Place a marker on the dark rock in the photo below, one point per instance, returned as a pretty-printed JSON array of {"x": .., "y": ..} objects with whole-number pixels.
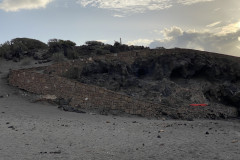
[
  {"x": 70, "y": 109},
  {"x": 207, "y": 133},
  {"x": 15, "y": 59},
  {"x": 62, "y": 101},
  {"x": 189, "y": 119},
  {"x": 56, "y": 152},
  {"x": 12, "y": 127}
]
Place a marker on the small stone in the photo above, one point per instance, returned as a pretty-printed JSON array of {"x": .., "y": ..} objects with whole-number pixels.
[
  {"x": 134, "y": 122},
  {"x": 56, "y": 152},
  {"x": 158, "y": 136},
  {"x": 235, "y": 141},
  {"x": 107, "y": 122},
  {"x": 12, "y": 127},
  {"x": 160, "y": 131},
  {"x": 7, "y": 123},
  {"x": 207, "y": 132}
]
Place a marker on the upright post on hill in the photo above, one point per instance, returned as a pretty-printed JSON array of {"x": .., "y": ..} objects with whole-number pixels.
[{"x": 120, "y": 40}]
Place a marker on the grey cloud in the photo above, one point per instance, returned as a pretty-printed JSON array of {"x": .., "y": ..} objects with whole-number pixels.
[
  {"x": 173, "y": 32},
  {"x": 225, "y": 43}
]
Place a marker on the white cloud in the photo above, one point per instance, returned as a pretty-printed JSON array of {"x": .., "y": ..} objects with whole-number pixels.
[
  {"x": 118, "y": 15},
  {"x": 102, "y": 40},
  {"x": 172, "y": 32},
  {"x": 140, "y": 42},
  {"x": 230, "y": 28},
  {"x": 135, "y": 6},
  {"x": 217, "y": 9},
  {"x": 214, "y": 24},
  {"x": 189, "y": 2},
  {"x": 16, "y": 5},
  {"x": 227, "y": 43}
]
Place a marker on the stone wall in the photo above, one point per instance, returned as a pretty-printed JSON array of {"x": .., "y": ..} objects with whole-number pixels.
[{"x": 82, "y": 95}]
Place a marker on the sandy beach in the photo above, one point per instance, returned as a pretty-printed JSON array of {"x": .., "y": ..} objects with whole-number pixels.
[{"x": 39, "y": 130}]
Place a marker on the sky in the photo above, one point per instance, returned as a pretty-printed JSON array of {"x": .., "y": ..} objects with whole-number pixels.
[{"x": 210, "y": 25}]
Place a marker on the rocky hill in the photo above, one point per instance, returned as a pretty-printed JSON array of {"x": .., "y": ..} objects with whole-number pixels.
[{"x": 174, "y": 78}]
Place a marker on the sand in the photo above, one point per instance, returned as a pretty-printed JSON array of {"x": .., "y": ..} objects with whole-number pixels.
[{"x": 34, "y": 131}]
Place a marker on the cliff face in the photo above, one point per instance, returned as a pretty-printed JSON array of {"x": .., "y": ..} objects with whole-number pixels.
[{"x": 175, "y": 78}]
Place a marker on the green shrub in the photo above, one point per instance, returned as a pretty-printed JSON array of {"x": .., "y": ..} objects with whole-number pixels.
[
  {"x": 19, "y": 47},
  {"x": 94, "y": 43},
  {"x": 58, "y": 45},
  {"x": 58, "y": 57},
  {"x": 71, "y": 54}
]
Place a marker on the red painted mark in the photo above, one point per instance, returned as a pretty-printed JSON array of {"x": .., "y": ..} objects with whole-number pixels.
[{"x": 202, "y": 105}]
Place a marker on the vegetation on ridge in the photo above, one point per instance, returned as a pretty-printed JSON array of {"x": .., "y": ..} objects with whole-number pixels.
[{"x": 18, "y": 48}]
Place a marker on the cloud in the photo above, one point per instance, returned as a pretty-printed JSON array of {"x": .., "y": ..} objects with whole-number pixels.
[
  {"x": 227, "y": 43},
  {"x": 136, "y": 6},
  {"x": 118, "y": 15},
  {"x": 172, "y": 32},
  {"x": 16, "y": 5},
  {"x": 140, "y": 42},
  {"x": 102, "y": 40},
  {"x": 190, "y": 2},
  {"x": 213, "y": 24},
  {"x": 217, "y": 9},
  {"x": 230, "y": 28}
]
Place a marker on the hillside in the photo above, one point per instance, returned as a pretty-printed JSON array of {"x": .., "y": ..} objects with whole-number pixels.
[
  {"x": 170, "y": 78},
  {"x": 174, "y": 78}
]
